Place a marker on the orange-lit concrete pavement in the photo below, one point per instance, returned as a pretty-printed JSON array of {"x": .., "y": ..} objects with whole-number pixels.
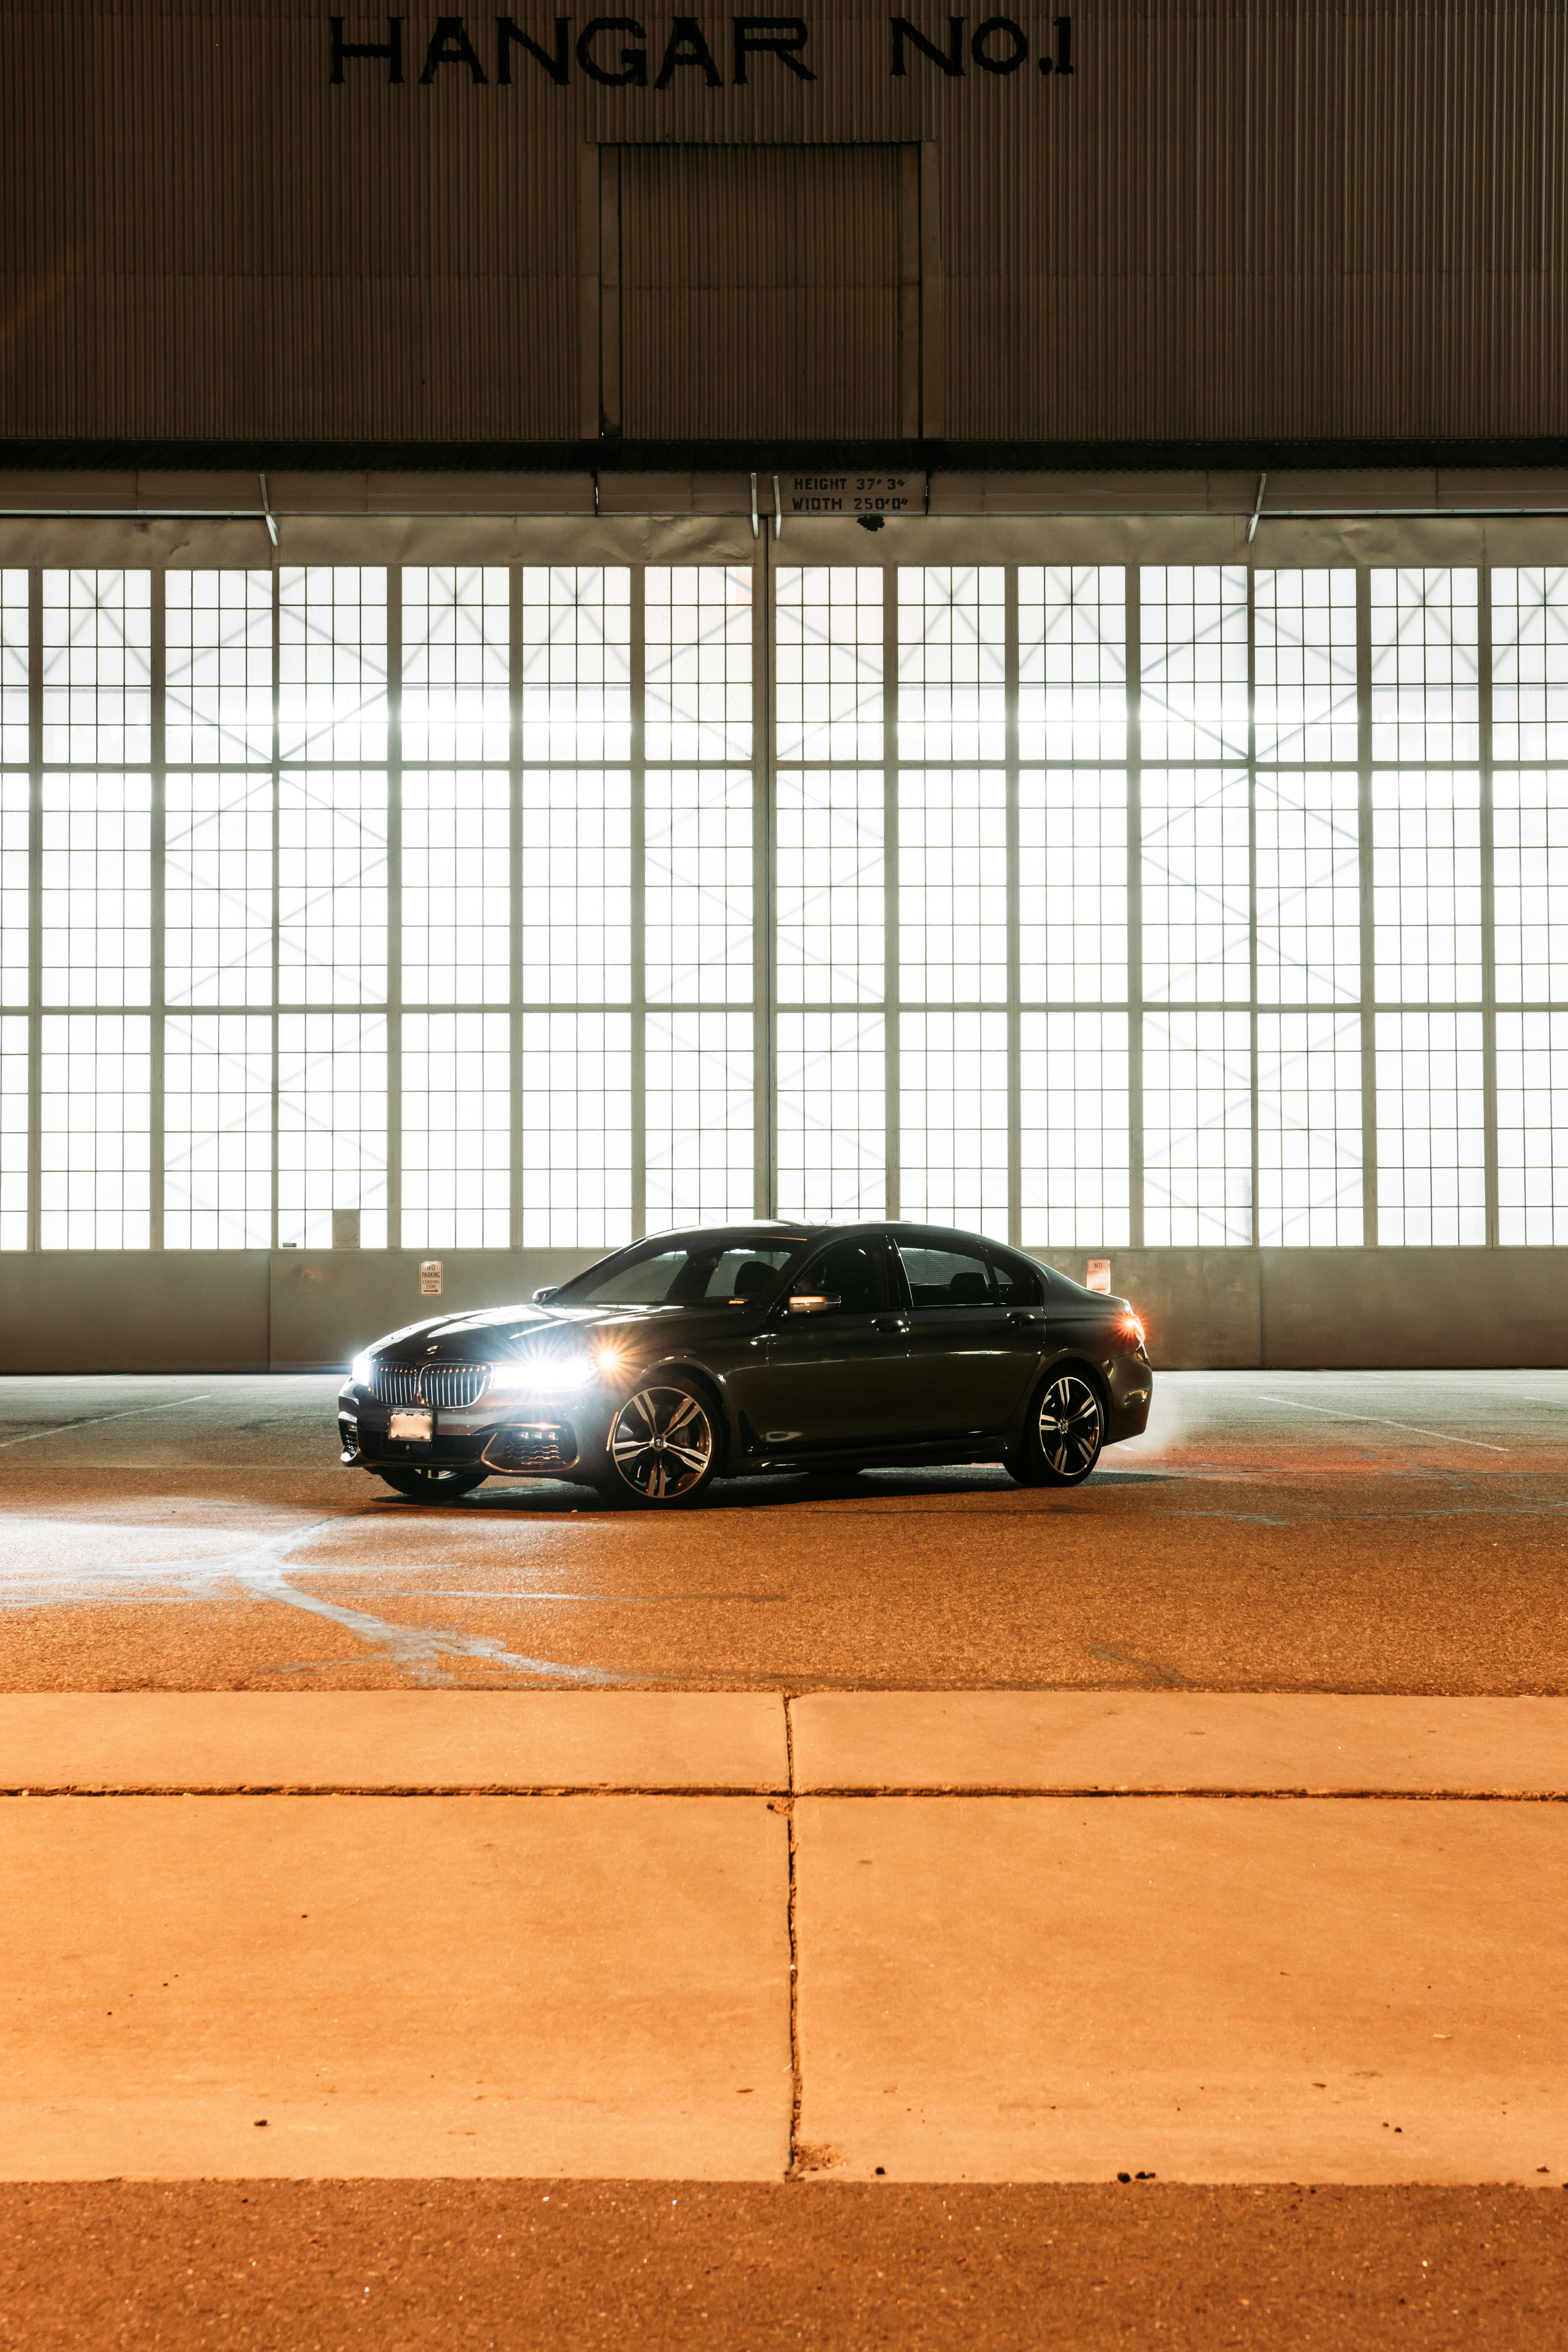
[
  {"x": 716, "y": 1937},
  {"x": 912, "y": 1843}
]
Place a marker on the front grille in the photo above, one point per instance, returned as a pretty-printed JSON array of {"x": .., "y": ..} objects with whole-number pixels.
[{"x": 448, "y": 1385}]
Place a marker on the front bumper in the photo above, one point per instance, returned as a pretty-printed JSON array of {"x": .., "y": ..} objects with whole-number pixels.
[{"x": 545, "y": 1437}]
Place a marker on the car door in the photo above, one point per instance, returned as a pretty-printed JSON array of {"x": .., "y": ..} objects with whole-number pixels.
[
  {"x": 969, "y": 1361},
  {"x": 833, "y": 1380}
]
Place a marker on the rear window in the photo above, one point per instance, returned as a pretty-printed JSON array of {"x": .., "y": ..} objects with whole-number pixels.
[{"x": 946, "y": 1274}]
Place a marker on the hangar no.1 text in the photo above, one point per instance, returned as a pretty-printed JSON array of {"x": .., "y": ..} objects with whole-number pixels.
[{"x": 620, "y": 52}]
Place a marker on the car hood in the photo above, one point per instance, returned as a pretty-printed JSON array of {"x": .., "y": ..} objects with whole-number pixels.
[{"x": 497, "y": 1333}]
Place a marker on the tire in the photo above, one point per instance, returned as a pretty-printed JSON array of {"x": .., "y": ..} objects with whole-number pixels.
[
  {"x": 670, "y": 1421},
  {"x": 1064, "y": 1434},
  {"x": 422, "y": 1485}
]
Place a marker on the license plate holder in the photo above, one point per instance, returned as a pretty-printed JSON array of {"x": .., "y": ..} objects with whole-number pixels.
[{"x": 412, "y": 1428}]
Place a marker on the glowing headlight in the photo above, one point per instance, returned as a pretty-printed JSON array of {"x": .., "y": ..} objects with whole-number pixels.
[{"x": 359, "y": 1371}]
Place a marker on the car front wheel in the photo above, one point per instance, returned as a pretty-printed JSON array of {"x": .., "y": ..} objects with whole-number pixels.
[
  {"x": 1066, "y": 1430},
  {"x": 664, "y": 1446}
]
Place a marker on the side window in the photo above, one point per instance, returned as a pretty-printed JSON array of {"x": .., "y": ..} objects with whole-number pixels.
[
  {"x": 1019, "y": 1281},
  {"x": 853, "y": 1271},
  {"x": 946, "y": 1274}
]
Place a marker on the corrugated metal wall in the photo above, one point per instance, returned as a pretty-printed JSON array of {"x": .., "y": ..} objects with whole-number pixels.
[
  {"x": 1337, "y": 219},
  {"x": 760, "y": 290}
]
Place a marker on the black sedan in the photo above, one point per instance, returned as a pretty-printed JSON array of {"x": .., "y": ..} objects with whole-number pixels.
[{"x": 704, "y": 1355}]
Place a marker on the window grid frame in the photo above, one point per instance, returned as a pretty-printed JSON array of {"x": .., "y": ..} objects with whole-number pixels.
[{"x": 763, "y": 1005}]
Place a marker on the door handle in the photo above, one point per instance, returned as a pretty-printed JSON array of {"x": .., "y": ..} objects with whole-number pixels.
[
  {"x": 890, "y": 1323},
  {"x": 1023, "y": 1322}
]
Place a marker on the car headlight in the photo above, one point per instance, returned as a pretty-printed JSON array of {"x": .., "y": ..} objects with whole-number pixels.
[{"x": 359, "y": 1371}]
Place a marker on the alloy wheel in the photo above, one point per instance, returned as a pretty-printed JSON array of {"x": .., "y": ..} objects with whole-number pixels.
[
  {"x": 1072, "y": 1427},
  {"x": 661, "y": 1444}
]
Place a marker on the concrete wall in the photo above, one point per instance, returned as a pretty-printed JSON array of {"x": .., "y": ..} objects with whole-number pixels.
[{"x": 303, "y": 1310}]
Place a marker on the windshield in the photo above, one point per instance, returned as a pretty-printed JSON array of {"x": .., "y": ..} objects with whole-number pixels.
[{"x": 698, "y": 1270}]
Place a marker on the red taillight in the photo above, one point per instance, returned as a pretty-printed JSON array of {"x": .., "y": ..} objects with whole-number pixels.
[{"x": 1132, "y": 1324}]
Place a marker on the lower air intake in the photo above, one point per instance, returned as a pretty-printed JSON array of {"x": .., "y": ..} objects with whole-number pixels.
[{"x": 535, "y": 1446}]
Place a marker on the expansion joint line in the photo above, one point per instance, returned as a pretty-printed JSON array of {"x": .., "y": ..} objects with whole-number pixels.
[{"x": 787, "y": 1809}]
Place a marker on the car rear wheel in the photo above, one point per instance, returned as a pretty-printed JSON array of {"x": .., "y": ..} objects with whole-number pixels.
[
  {"x": 1065, "y": 1430},
  {"x": 664, "y": 1446},
  {"x": 423, "y": 1485}
]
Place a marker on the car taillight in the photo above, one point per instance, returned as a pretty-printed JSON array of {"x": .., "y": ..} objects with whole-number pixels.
[{"x": 1132, "y": 1324}]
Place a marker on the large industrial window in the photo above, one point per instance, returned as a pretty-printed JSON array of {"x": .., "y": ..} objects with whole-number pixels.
[{"x": 533, "y": 905}]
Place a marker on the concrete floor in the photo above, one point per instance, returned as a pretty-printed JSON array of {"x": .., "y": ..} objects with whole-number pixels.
[
  {"x": 867, "y": 1845},
  {"x": 1377, "y": 1531}
]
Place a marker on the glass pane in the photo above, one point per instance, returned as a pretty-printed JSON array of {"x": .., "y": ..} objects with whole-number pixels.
[
  {"x": 698, "y": 893},
  {"x": 457, "y": 887},
  {"x": 953, "y": 885},
  {"x": 1533, "y": 1127},
  {"x": 1529, "y": 663},
  {"x": 576, "y": 907},
  {"x": 331, "y": 888},
  {"x": 1073, "y": 1115},
  {"x": 1072, "y": 662},
  {"x": 95, "y": 1131},
  {"x": 1194, "y": 673},
  {"x": 1529, "y": 835},
  {"x": 14, "y": 828},
  {"x": 952, "y": 638},
  {"x": 218, "y": 667},
  {"x": 13, "y": 1118},
  {"x": 1072, "y": 885},
  {"x": 1424, "y": 698},
  {"x": 701, "y": 1121},
  {"x": 1197, "y": 1129},
  {"x": 457, "y": 662},
  {"x": 576, "y": 690},
  {"x": 217, "y": 889},
  {"x": 217, "y": 1131},
  {"x": 1196, "y": 884},
  {"x": 829, "y": 662},
  {"x": 1305, "y": 665},
  {"x": 331, "y": 1126},
  {"x": 457, "y": 1130},
  {"x": 830, "y": 887},
  {"x": 1431, "y": 1173},
  {"x": 1426, "y": 886},
  {"x": 699, "y": 692},
  {"x": 98, "y": 667},
  {"x": 14, "y": 732},
  {"x": 953, "y": 1119},
  {"x": 1308, "y": 1128},
  {"x": 832, "y": 1114},
  {"x": 576, "y": 1130},
  {"x": 97, "y": 909},
  {"x": 1308, "y": 888},
  {"x": 332, "y": 658}
]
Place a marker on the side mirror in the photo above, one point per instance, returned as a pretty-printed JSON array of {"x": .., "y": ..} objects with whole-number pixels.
[
  {"x": 542, "y": 1298},
  {"x": 813, "y": 1302}
]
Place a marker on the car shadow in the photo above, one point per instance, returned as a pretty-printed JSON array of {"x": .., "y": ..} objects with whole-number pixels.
[{"x": 764, "y": 1491}]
